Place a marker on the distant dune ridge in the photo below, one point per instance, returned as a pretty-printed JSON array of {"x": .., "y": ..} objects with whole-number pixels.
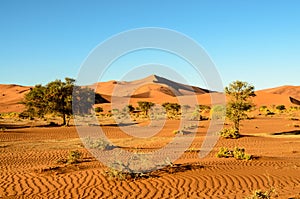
[
  {"x": 152, "y": 88},
  {"x": 293, "y": 91},
  {"x": 10, "y": 97},
  {"x": 148, "y": 87}
]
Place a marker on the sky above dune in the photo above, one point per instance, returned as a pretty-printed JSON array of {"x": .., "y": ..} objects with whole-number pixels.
[{"x": 253, "y": 41}]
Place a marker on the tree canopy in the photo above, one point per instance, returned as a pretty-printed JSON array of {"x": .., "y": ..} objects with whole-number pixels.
[
  {"x": 145, "y": 106},
  {"x": 239, "y": 102},
  {"x": 58, "y": 97},
  {"x": 172, "y": 109}
]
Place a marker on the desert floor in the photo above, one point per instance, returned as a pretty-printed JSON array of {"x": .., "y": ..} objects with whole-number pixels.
[{"x": 29, "y": 165}]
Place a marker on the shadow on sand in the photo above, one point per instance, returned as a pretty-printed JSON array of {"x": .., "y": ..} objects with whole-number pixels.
[{"x": 295, "y": 132}]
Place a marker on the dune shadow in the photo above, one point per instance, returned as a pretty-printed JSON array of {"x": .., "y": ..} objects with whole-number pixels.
[{"x": 295, "y": 132}]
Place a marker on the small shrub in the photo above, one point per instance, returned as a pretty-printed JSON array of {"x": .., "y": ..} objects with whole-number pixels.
[
  {"x": 259, "y": 194},
  {"x": 181, "y": 132},
  {"x": 218, "y": 112},
  {"x": 190, "y": 126},
  {"x": 262, "y": 108},
  {"x": 268, "y": 112},
  {"x": 224, "y": 153},
  {"x": 73, "y": 157},
  {"x": 192, "y": 150},
  {"x": 230, "y": 133},
  {"x": 296, "y": 125},
  {"x": 239, "y": 154},
  {"x": 98, "y": 109},
  {"x": 124, "y": 171},
  {"x": 99, "y": 143},
  {"x": 112, "y": 173},
  {"x": 280, "y": 107}
]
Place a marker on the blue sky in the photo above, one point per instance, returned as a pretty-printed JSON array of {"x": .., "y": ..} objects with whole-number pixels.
[{"x": 253, "y": 41}]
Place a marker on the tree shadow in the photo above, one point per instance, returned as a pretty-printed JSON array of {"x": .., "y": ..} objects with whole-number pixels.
[
  {"x": 295, "y": 132},
  {"x": 121, "y": 124},
  {"x": 177, "y": 168}
]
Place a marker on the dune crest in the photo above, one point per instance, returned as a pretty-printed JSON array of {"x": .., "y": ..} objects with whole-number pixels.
[{"x": 152, "y": 88}]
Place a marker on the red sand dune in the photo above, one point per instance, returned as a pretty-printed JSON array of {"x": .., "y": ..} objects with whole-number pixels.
[
  {"x": 152, "y": 88},
  {"x": 293, "y": 91},
  {"x": 30, "y": 168},
  {"x": 10, "y": 97}
]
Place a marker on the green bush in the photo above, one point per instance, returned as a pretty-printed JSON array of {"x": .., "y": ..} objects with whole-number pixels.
[
  {"x": 98, "y": 109},
  {"x": 230, "y": 133},
  {"x": 237, "y": 153},
  {"x": 259, "y": 194},
  {"x": 263, "y": 108},
  {"x": 218, "y": 112},
  {"x": 268, "y": 112},
  {"x": 112, "y": 173},
  {"x": 99, "y": 143},
  {"x": 280, "y": 107},
  {"x": 224, "y": 153},
  {"x": 73, "y": 157}
]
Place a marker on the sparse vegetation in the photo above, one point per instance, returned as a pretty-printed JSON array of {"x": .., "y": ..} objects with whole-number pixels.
[
  {"x": 224, "y": 153},
  {"x": 181, "y": 132},
  {"x": 294, "y": 119},
  {"x": 237, "y": 153},
  {"x": 74, "y": 157},
  {"x": 239, "y": 101},
  {"x": 172, "y": 109},
  {"x": 259, "y": 194},
  {"x": 98, "y": 143},
  {"x": 280, "y": 107},
  {"x": 62, "y": 98},
  {"x": 230, "y": 133},
  {"x": 145, "y": 106},
  {"x": 202, "y": 108},
  {"x": 128, "y": 109},
  {"x": 98, "y": 109},
  {"x": 218, "y": 112},
  {"x": 263, "y": 108}
]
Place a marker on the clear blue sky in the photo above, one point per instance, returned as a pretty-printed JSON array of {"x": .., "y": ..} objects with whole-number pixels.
[{"x": 254, "y": 41}]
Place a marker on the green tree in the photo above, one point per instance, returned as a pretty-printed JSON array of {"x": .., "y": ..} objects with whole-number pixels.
[
  {"x": 57, "y": 97},
  {"x": 145, "y": 106},
  {"x": 239, "y": 102},
  {"x": 171, "y": 108},
  {"x": 218, "y": 112},
  {"x": 35, "y": 102},
  {"x": 98, "y": 109},
  {"x": 129, "y": 108}
]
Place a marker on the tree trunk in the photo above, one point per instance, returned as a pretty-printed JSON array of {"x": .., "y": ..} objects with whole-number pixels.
[
  {"x": 64, "y": 119},
  {"x": 237, "y": 125}
]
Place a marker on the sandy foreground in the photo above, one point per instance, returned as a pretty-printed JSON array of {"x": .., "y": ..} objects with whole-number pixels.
[{"x": 29, "y": 165}]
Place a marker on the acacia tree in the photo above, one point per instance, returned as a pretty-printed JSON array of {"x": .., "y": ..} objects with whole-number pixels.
[
  {"x": 145, "y": 106},
  {"x": 239, "y": 102},
  {"x": 57, "y": 97},
  {"x": 172, "y": 108}
]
